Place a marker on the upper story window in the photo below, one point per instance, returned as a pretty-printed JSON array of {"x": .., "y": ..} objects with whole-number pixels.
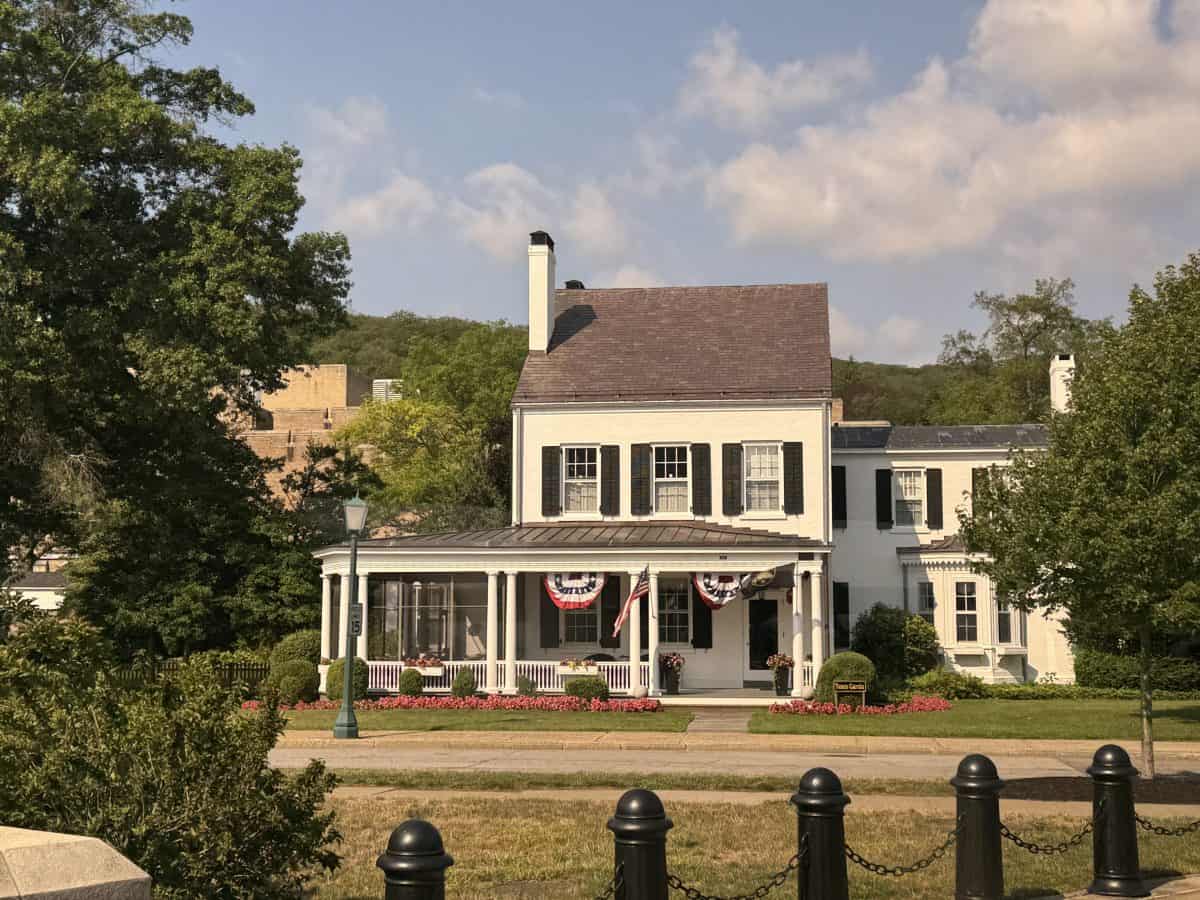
[
  {"x": 966, "y": 612},
  {"x": 581, "y": 480},
  {"x": 674, "y": 612},
  {"x": 671, "y": 479},
  {"x": 762, "y": 471},
  {"x": 910, "y": 498},
  {"x": 925, "y": 601}
]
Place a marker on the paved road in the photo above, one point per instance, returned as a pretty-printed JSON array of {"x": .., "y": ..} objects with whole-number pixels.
[{"x": 733, "y": 762}]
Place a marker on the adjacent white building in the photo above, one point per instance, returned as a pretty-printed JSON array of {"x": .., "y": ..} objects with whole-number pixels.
[{"x": 690, "y": 433}]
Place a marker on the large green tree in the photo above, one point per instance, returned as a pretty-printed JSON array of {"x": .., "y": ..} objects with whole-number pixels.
[
  {"x": 1105, "y": 524},
  {"x": 151, "y": 280}
]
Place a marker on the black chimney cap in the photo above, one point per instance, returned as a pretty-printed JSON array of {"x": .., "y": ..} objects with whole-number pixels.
[
  {"x": 541, "y": 239},
  {"x": 575, "y": 284}
]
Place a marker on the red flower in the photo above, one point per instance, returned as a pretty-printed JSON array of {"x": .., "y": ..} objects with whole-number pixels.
[{"x": 810, "y": 708}]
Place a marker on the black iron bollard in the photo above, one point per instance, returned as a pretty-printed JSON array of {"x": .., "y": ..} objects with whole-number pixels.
[
  {"x": 639, "y": 828},
  {"x": 1114, "y": 839},
  {"x": 415, "y": 862},
  {"x": 979, "y": 865},
  {"x": 820, "y": 807}
]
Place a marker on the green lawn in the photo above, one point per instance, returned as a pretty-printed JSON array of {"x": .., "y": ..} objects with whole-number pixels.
[
  {"x": 1174, "y": 720},
  {"x": 507, "y": 847},
  {"x": 495, "y": 720}
]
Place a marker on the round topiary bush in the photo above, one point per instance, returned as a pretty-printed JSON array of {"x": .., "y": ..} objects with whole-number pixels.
[
  {"x": 848, "y": 666},
  {"x": 305, "y": 645},
  {"x": 295, "y": 680},
  {"x": 586, "y": 687},
  {"x": 922, "y": 652},
  {"x": 411, "y": 683},
  {"x": 337, "y": 674},
  {"x": 464, "y": 683}
]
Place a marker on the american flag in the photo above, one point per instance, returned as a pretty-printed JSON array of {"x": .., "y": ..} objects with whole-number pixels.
[{"x": 641, "y": 589}]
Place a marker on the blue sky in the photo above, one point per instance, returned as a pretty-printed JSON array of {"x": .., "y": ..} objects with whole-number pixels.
[{"x": 909, "y": 154}]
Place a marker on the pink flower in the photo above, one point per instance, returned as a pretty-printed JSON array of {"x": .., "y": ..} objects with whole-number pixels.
[
  {"x": 551, "y": 703},
  {"x": 811, "y": 708}
]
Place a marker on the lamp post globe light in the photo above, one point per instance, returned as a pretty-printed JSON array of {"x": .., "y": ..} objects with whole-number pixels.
[{"x": 346, "y": 724}]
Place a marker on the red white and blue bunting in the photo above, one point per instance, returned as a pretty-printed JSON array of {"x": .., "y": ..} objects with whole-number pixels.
[
  {"x": 717, "y": 589},
  {"x": 574, "y": 590}
]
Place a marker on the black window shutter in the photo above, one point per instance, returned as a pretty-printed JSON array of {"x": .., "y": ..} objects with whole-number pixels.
[
  {"x": 793, "y": 478},
  {"x": 933, "y": 499},
  {"x": 610, "y": 608},
  {"x": 639, "y": 479},
  {"x": 701, "y": 480},
  {"x": 551, "y": 482},
  {"x": 839, "y": 496},
  {"x": 644, "y": 619},
  {"x": 610, "y": 480},
  {"x": 731, "y": 479},
  {"x": 841, "y": 614},
  {"x": 549, "y": 617},
  {"x": 883, "y": 498},
  {"x": 701, "y": 623}
]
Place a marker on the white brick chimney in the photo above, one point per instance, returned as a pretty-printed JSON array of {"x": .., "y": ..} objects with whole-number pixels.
[
  {"x": 541, "y": 290},
  {"x": 1062, "y": 370}
]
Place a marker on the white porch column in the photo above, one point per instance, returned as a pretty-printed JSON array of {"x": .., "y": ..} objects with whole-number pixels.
[
  {"x": 652, "y": 637},
  {"x": 818, "y": 623},
  {"x": 635, "y": 637},
  {"x": 511, "y": 600},
  {"x": 798, "y": 689},
  {"x": 344, "y": 614},
  {"x": 326, "y": 613},
  {"x": 362, "y": 599},
  {"x": 492, "y": 684}
]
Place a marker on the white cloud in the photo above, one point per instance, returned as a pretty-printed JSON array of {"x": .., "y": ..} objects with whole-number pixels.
[
  {"x": 357, "y": 122},
  {"x": 504, "y": 202},
  {"x": 738, "y": 92},
  {"x": 1055, "y": 107},
  {"x": 898, "y": 338},
  {"x": 594, "y": 223},
  {"x": 628, "y": 276},
  {"x": 498, "y": 97},
  {"x": 403, "y": 201}
]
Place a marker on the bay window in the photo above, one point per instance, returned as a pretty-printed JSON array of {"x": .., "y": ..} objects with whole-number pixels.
[{"x": 925, "y": 601}]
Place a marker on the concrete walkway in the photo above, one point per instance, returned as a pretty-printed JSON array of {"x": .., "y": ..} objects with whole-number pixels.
[{"x": 720, "y": 719}]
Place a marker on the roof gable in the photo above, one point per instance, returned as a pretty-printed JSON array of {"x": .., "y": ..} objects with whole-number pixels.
[{"x": 684, "y": 343}]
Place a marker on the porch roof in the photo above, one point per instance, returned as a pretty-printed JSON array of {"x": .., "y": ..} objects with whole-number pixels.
[
  {"x": 952, "y": 543},
  {"x": 583, "y": 535}
]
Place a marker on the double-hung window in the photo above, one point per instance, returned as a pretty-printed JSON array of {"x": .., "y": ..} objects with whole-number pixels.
[
  {"x": 581, "y": 626},
  {"x": 762, "y": 471},
  {"x": 671, "y": 479},
  {"x": 926, "y": 603},
  {"x": 1010, "y": 623},
  {"x": 581, "y": 480},
  {"x": 674, "y": 612},
  {"x": 966, "y": 612},
  {"x": 910, "y": 498}
]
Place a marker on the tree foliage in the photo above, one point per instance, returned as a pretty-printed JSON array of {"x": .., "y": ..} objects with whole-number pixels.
[
  {"x": 1105, "y": 525},
  {"x": 151, "y": 281}
]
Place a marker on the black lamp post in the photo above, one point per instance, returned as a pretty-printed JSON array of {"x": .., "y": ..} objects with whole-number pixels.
[{"x": 346, "y": 725}]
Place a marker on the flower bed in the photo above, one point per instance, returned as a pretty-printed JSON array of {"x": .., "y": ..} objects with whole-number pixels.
[
  {"x": 556, "y": 703},
  {"x": 809, "y": 708}
]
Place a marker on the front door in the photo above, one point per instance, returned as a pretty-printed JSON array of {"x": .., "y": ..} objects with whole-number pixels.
[{"x": 762, "y": 631}]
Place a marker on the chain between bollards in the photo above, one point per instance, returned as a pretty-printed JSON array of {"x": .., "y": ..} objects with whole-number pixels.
[
  {"x": 797, "y": 861},
  {"x": 1052, "y": 849},
  {"x": 900, "y": 871}
]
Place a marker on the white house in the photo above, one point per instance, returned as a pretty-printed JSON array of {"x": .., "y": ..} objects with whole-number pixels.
[{"x": 690, "y": 432}]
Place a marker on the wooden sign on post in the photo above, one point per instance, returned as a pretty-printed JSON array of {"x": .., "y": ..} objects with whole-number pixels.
[{"x": 854, "y": 691}]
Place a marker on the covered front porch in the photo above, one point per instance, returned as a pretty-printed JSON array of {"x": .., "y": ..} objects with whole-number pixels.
[{"x": 479, "y": 600}]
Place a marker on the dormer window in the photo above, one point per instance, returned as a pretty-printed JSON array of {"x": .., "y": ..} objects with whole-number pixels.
[
  {"x": 671, "y": 479},
  {"x": 581, "y": 480},
  {"x": 762, "y": 479}
]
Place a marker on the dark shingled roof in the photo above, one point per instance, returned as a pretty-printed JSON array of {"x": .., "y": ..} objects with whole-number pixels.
[
  {"x": 684, "y": 343},
  {"x": 42, "y": 580},
  {"x": 936, "y": 437},
  {"x": 584, "y": 535},
  {"x": 949, "y": 544}
]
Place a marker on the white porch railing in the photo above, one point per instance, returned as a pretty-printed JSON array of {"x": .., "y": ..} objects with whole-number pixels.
[
  {"x": 806, "y": 674},
  {"x": 384, "y": 677}
]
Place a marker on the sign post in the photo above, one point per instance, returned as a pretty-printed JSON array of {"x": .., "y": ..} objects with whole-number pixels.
[
  {"x": 356, "y": 619},
  {"x": 857, "y": 690}
]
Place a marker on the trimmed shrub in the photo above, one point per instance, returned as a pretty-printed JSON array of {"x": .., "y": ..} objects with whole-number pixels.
[
  {"x": 879, "y": 636},
  {"x": 526, "y": 687},
  {"x": 922, "y": 652},
  {"x": 586, "y": 687},
  {"x": 295, "y": 680},
  {"x": 950, "y": 685},
  {"x": 847, "y": 666},
  {"x": 412, "y": 684},
  {"x": 464, "y": 683},
  {"x": 305, "y": 645},
  {"x": 1094, "y": 668},
  {"x": 337, "y": 674}
]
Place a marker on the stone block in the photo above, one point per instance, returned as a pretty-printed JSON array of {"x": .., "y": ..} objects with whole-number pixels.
[{"x": 42, "y": 865}]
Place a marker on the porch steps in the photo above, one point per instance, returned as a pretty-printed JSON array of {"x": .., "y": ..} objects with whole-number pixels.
[{"x": 720, "y": 719}]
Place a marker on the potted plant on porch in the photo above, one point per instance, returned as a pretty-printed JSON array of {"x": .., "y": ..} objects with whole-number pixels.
[
  {"x": 671, "y": 665},
  {"x": 426, "y": 665},
  {"x": 781, "y": 666}
]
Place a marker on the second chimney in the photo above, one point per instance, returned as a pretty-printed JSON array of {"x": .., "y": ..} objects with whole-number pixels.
[
  {"x": 541, "y": 290},
  {"x": 1062, "y": 370}
]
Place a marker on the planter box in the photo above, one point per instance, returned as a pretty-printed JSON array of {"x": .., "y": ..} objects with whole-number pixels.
[
  {"x": 429, "y": 671},
  {"x": 578, "y": 670}
]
